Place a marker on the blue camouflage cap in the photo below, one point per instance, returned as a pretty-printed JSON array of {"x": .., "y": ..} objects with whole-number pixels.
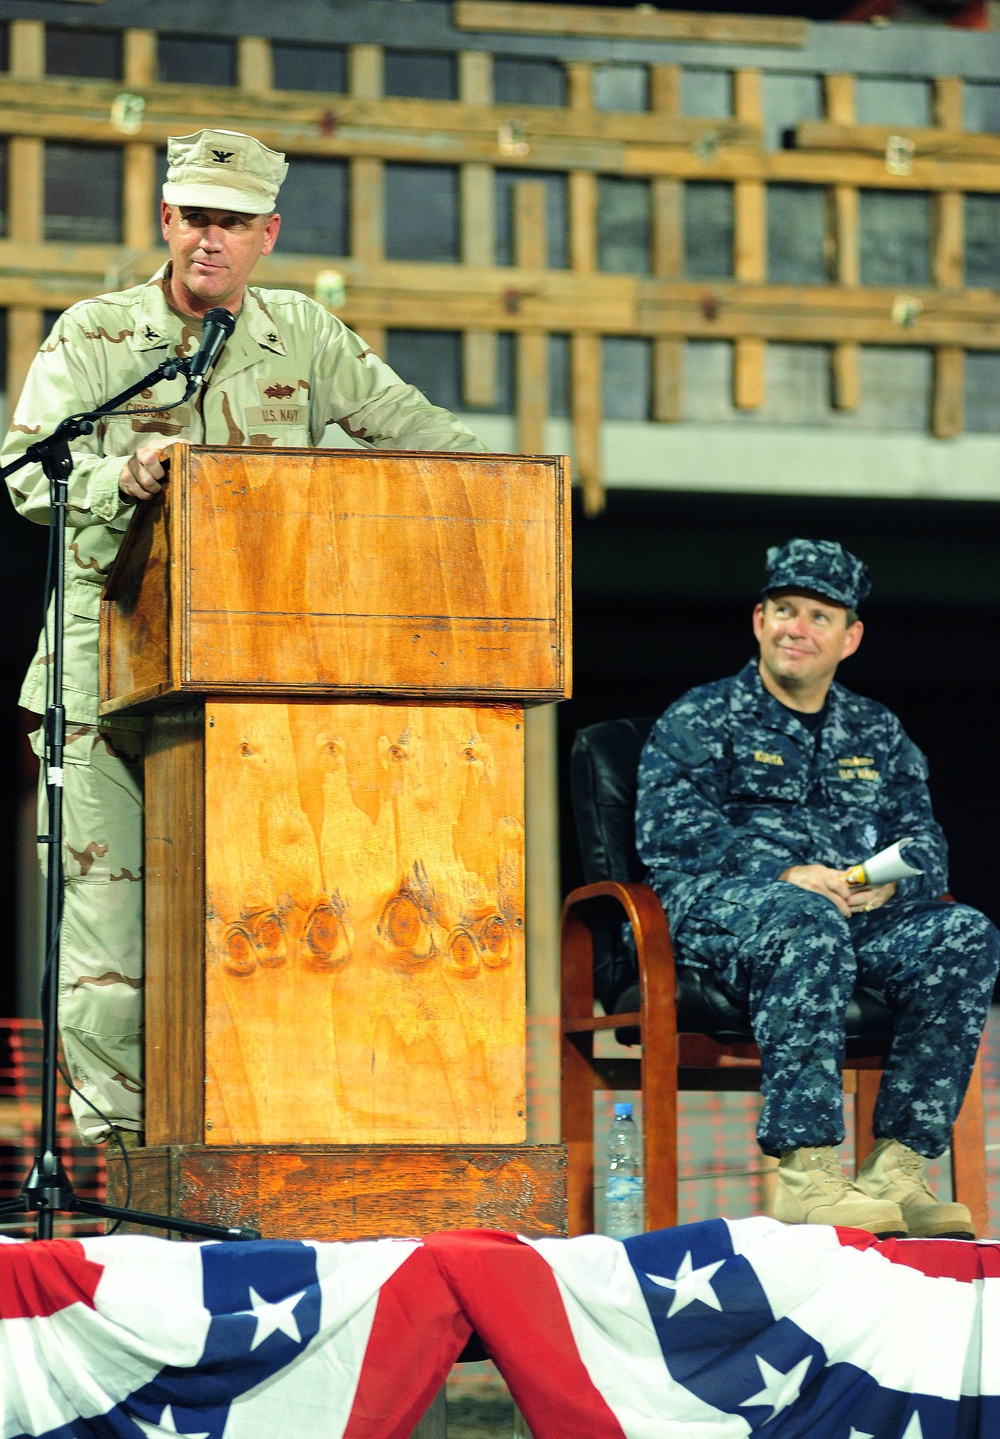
[{"x": 823, "y": 567}]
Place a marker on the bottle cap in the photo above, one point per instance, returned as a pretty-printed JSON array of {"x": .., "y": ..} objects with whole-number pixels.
[{"x": 623, "y": 1111}]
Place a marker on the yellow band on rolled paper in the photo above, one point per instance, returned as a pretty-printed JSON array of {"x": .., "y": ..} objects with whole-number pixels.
[{"x": 856, "y": 875}]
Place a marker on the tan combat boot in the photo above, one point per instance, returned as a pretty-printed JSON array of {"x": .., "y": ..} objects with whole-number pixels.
[
  {"x": 894, "y": 1171},
  {"x": 813, "y": 1189}
]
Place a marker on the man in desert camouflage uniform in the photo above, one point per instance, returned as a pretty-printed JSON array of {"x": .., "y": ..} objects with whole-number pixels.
[
  {"x": 756, "y": 793},
  {"x": 288, "y": 371}
]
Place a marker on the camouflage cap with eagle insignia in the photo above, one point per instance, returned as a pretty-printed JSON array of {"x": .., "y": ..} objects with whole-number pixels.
[
  {"x": 820, "y": 567},
  {"x": 223, "y": 170}
]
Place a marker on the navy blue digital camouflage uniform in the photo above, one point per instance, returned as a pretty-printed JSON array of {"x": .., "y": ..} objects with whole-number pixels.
[{"x": 733, "y": 790}]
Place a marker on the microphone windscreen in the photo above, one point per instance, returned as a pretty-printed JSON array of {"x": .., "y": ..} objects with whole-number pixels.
[{"x": 223, "y": 318}]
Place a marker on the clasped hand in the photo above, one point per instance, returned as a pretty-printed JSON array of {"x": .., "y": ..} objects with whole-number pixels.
[
  {"x": 849, "y": 898},
  {"x": 143, "y": 474}
]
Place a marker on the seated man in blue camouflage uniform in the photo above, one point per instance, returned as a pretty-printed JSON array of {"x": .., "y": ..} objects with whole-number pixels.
[{"x": 756, "y": 793}]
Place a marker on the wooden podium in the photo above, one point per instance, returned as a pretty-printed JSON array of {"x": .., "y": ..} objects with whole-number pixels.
[{"x": 334, "y": 650}]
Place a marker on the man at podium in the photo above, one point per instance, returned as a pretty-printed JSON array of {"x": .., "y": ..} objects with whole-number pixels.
[{"x": 288, "y": 370}]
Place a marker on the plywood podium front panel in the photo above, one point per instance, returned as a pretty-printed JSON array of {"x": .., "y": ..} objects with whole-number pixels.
[
  {"x": 364, "y": 923},
  {"x": 309, "y": 572}
]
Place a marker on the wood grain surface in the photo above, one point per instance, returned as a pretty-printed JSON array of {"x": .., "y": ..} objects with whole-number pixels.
[
  {"x": 637, "y": 23},
  {"x": 355, "y": 1192},
  {"x": 364, "y": 933},
  {"x": 311, "y": 572},
  {"x": 135, "y": 635},
  {"x": 175, "y": 926}
]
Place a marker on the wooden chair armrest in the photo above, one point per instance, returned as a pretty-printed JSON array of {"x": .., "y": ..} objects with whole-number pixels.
[{"x": 648, "y": 923}]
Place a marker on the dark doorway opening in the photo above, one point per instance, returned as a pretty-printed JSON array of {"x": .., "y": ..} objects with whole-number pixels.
[{"x": 664, "y": 584}]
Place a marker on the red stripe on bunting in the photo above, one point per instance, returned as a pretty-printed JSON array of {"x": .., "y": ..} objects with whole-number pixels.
[
  {"x": 511, "y": 1298},
  {"x": 37, "y": 1280},
  {"x": 418, "y": 1332},
  {"x": 960, "y": 1259}
]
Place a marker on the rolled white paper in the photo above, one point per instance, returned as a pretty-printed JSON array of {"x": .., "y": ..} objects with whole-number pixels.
[{"x": 886, "y": 867}]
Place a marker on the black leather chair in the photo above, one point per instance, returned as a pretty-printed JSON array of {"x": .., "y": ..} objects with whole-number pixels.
[{"x": 693, "y": 1036}]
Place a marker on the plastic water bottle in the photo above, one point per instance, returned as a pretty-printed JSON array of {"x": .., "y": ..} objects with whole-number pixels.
[{"x": 623, "y": 1190}]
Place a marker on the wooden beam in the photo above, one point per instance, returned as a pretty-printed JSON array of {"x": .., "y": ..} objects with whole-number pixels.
[
  {"x": 948, "y": 249},
  {"x": 582, "y": 189},
  {"x": 24, "y": 335},
  {"x": 749, "y": 374},
  {"x": 26, "y": 182},
  {"x": 948, "y": 102},
  {"x": 580, "y": 78},
  {"x": 747, "y": 103},
  {"x": 532, "y": 391},
  {"x": 365, "y": 71},
  {"x": 392, "y": 133},
  {"x": 301, "y": 121},
  {"x": 749, "y": 250},
  {"x": 585, "y": 369},
  {"x": 451, "y": 132},
  {"x": 668, "y": 262},
  {"x": 948, "y": 410},
  {"x": 668, "y": 380},
  {"x": 668, "y": 252},
  {"x": 477, "y": 214},
  {"x": 665, "y": 89},
  {"x": 254, "y": 65},
  {"x": 639, "y": 24},
  {"x": 667, "y": 199},
  {"x": 532, "y": 375},
  {"x": 873, "y": 139},
  {"x": 838, "y": 96},
  {"x": 138, "y": 200},
  {"x": 845, "y": 358},
  {"x": 530, "y": 241},
  {"x": 749, "y": 231},
  {"x": 475, "y": 77},
  {"x": 846, "y": 372},
  {"x": 479, "y": 369},
  {"x": 427, "y": 296},
  {"x": 26, "y": 49},
  {"x": 367, "y": 206},
  {"x": 846, "y": 235},
  {"x": 479, "y": 347},
  {"x": 139, "y": 64}
]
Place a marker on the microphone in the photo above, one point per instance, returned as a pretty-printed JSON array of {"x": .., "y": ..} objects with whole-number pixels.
[{"x": 217, "y": 326}]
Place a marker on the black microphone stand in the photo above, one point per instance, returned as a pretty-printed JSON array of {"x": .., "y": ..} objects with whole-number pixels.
[{"x": 47, "y": 1191}]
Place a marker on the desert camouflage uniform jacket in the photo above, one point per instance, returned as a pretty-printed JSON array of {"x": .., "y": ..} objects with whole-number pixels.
[
  {"x": 289, "y": 369},
  {"x": 732, "y": 785}
]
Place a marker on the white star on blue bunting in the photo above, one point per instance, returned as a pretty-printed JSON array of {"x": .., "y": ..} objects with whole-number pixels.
[
  {"x": 690, "y": 1284},
  {"x": 779, "y": 1389},
  {"x": 264, "y": 1302},
  {"x": 167, "y": 1425},
  {"x": 273, "y": 1317}
]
